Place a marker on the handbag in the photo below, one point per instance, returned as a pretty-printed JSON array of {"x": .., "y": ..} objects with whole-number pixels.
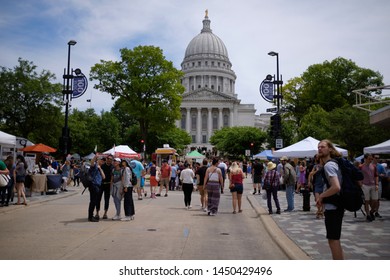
[{"x": 4, "y": 180}]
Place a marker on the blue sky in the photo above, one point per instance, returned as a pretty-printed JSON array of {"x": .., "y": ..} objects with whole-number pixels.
[{"x": 303, "y": 32}]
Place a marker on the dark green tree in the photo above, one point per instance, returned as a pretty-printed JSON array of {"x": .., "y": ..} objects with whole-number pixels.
[
  {"x": 147, "y": 85},
  {"x": 328, "y": 85},
  {"x": 233, "y": 141},
  {"x": 30, "y": 103}
]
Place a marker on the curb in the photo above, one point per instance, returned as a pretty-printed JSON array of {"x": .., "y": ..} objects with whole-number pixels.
[{"x": 292, "y": 250}]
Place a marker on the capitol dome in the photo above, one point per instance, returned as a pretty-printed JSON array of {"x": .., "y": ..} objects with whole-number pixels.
[{"x": 206, "y": 45}]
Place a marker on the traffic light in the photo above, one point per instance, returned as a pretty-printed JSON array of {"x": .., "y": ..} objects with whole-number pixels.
[{"x": 276, "y": 125}]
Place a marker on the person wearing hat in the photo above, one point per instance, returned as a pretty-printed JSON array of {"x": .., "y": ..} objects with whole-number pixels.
[
  {"x": 289, "y": 178},
  {"x": 117, "y": 187},
  {"x": 271, "y": 185}
]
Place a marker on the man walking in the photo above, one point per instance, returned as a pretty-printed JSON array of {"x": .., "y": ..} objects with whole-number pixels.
[{"x": 370, "y": 187}]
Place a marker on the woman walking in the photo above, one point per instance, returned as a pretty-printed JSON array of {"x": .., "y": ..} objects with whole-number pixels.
[
  {"x": 117, "y": 187},
  {"x": 20, "y": 177},
  {"x": 128, "y": 202},
  {"x": 65, "y": 169},
  {"x": 236, "y": 175},
  {"x": 213, "y": 182},
  {"x": 153, "y": 179},
  {"x": 271, "y": 185},
  {"x": 187, "y": 177}
]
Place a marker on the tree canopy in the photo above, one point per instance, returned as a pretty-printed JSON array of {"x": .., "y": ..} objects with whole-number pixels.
[
  {"x": 148, "y": 87},
  {"x": 30, "y": 103}
]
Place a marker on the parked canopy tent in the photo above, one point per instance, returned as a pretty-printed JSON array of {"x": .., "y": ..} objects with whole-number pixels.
[
  {"x": 7, "y": 144},
  {"x": 266, "y": 154},
  {"x": 381, "y": 148},
  {"x": 307, "y": 147},
  {"x": 195, "y": 155},
  {"x": 122, "y": 151}
]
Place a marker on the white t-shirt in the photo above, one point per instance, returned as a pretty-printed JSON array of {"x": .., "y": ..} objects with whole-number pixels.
[
  {"x": 187, "y": 176},
  {"x": 331, "y": 169}
]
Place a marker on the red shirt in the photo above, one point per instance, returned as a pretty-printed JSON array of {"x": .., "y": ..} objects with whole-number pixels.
[
  {"x": 165, "y": 171},
  {"x": 236, "y": 178}
]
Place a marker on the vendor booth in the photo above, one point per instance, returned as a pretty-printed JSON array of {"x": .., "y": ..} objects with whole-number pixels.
[
  {"x": 7, "y": 145},
  {"x": 195, "y": 156},
  {"x": 164, "y": 153},
  {"x": 305, "y": 148}
]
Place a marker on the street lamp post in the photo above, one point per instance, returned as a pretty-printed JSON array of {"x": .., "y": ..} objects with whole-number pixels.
[
  {"x": 278, "y": 82},
  {"x": 67, "y": 91}
]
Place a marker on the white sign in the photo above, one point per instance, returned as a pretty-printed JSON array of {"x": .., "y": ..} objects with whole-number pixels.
[{"x": 279, "y": 143}]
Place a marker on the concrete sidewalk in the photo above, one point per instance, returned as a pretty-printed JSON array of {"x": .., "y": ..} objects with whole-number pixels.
[{"x": 361, "y": 240}]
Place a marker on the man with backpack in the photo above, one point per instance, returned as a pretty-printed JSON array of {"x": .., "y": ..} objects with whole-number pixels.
[{"x": 334, "y": 212}]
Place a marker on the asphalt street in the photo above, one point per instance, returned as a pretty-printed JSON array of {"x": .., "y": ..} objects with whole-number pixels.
[{"x": 55, "y": 227}]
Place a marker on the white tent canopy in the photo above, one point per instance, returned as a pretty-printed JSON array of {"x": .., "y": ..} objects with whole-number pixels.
[
  {"x": 121, "y": 151},
  {"x": 381, "y": 148},
  {"x": 7, "y": 139},
  {"x": 307, "y": 147}
]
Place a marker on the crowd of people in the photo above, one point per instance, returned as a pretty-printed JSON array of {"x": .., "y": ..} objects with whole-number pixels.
[{"x": 113, "y": 177}]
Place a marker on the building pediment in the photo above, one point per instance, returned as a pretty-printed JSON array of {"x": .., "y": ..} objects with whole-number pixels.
[{"x": 208, "y": 95}]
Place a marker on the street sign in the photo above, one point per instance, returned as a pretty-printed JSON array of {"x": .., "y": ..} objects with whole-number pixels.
[
  {"x": 80, "y": 85},
  {"x": 278, "y": 143},
  {"x": 267, "y": 90},
  {"x": 272, "y": 110}
]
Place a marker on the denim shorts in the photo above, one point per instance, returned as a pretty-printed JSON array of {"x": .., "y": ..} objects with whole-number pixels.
[{"x": 239, "y": 188}]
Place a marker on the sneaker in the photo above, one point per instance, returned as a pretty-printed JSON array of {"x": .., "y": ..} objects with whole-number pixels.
[
  {"x": 369, "y": 219},
  {"x": 189, "y": 207},
  {"x": 158, "y": 194},
  {"x": 166, "y": 195},
  {"x": 376, "y": 214},
  {"x": 93, "y": 220},
  {"x": 116, "y": 218},
  {"x": 127, "y": 218},
  {"x": 213, "y": 214},
  {"x": 105, "y": 217},
  {"x": 205, "y": 209},
  {"x": 254, "y": 192},
  {"x": 270, "y": 212},
  {"x": 97, "y": 217},
  {"x": 372, "y": 216},
  {"x": 278, "y": 211}
]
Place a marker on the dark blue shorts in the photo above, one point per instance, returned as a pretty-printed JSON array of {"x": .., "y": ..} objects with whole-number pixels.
[
  {"x": 239, "y": 188},
  {"x": 333, "y": 222}
]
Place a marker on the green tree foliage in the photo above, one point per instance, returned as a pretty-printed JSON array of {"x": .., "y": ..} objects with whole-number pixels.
[
  {"x": 348, "y": 127},
  {"x": 328, "y": 85},
  {"x": 30, "y": 103},
  {"x": 148, "y": 86},
  {"x": 233, "y": 141},
  {"x": 320, "y": 102}
]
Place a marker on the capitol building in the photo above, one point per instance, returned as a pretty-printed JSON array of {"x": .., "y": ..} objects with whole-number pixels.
[{"x": 210, "y": 102}]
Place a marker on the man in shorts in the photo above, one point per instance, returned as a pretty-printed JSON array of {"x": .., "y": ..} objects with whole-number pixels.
[
  {"x": 166, "y": 174},
  {"x": 329, "y": 199},
  {"x": 257, "y": 174},
  {"x": 370, "y": 187},
  {"x": 138, "y": 169},
  {"x": 200, "y": 181}
]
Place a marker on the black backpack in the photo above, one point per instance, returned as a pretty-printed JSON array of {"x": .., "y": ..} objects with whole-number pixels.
[
  {"x": 351, "y": 196},
  {"x": 133, "y": 177},
  {"x": 86, "y": 176}
]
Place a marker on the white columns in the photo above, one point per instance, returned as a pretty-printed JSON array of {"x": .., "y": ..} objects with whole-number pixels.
[
  {"x": 188, "y": 120},
  {"x": 220, "y": 119},
  {"x": 209, "y": 124},
  {"x": 198, "y": 126}
]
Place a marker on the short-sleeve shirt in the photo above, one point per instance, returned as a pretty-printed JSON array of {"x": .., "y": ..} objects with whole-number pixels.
[
  {"x": 201, "y": 172},
  {"x": 331, "y": 169},
  {"x": 165, "y": 171},
  {"x": 137, "y": 168},
  {"x": 2, "y": 165}
]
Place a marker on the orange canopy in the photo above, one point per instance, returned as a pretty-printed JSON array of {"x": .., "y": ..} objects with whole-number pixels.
[{"x": 38, "y": 148}]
